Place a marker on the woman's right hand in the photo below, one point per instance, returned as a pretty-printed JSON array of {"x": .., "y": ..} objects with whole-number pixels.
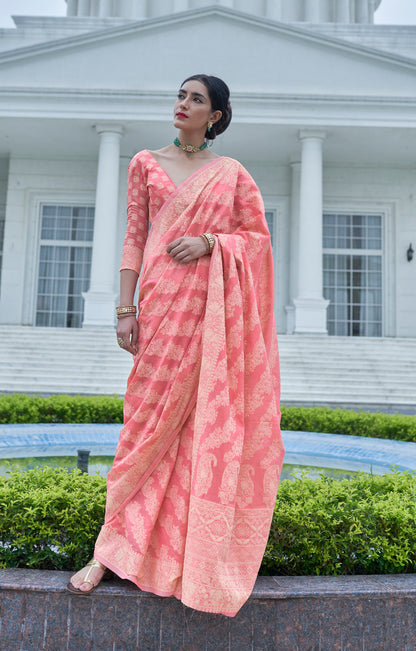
[{"x": 128, "y": 331}]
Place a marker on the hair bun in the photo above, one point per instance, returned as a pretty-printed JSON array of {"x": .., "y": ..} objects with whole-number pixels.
[{"x": 224, "y": 120}]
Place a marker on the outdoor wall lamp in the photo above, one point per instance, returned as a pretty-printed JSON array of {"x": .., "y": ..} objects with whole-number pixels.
[{"x": 410, "y": 253}]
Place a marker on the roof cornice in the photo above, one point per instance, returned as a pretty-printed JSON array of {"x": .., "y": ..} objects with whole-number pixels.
[
  {"x": 54, "y": 91},
  {"x": 132, "y": 106},
  {"x": 132, "y": 27}
]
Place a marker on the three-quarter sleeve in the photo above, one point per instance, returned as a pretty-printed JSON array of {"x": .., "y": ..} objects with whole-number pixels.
[{"x": 137, "y": 216}]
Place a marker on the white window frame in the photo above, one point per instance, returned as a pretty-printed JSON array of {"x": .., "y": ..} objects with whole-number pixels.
[
  {"x": 2, "y": 219},
  {"x": 35, "y": 201},
  {"x": 58, "y": 244},
  {"x": 279, "y": 206},
  {"x": 387, "y": 210}
]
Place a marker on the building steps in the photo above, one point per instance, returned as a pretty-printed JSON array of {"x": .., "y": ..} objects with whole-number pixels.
[{"x": 375, "y": 373}]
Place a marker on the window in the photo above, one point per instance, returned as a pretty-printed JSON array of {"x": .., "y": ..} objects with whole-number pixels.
[
  {"x": 64, "y": 264},
  {"x": 353, "y": 274},
  {"x": 270, "y": 223},
  {"x": 2, "y": 223}
]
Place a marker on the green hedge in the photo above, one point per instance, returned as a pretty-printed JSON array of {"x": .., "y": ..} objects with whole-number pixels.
[
  {"x": 49, "y": 519},
  {"x": 365, "y": 525},
  {"x": 343, "y": 421},
  {"x": 20, "y": 408}
]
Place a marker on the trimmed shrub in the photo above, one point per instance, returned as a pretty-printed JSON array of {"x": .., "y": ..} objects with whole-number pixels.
[
  {"x": 343, "y": 421},
  {"x": 49, "y": 518},
  {"x": 21, "y": 408},
  {"x": 364, "y": 525}
]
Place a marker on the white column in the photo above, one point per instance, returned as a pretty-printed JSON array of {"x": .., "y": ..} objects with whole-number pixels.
[
  {"x": 274, "y": 9},
  {"x": 180, "y": 5},
  {"x": 139, "y": 9},
  {"x": 71, "y": 9},
  {"x": 361, "y": 11},
  {"x": 371, "y": 9},
  {"x": 12, "y": 295},
  {"x": 310, "y": 306},
  {"x": 105, "y": 8},
  {"x": 293, "y": 254},
  {"x": 125, "y": 8},
  {"x": 342, "y": 13},
  {"x": 312, "y": 11},
  {"x": 99, "y": 300},
  {"x": 84, "y": 7},
  {"x": 132, "y": 9},
  {"x": 249, "y": 6}
]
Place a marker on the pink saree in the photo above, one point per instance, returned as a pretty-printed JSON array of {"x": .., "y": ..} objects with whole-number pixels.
[{"x": 193, "y": 485}]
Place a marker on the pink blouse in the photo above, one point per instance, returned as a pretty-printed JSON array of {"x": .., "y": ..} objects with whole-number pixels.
[{"x": 148, "y": 188}]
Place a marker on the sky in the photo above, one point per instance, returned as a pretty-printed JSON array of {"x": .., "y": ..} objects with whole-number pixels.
[{"x": 399, "y": 12}]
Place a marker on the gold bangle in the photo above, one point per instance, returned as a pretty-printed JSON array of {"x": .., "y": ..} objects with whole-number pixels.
[
  {"x": 206, "y": 242},
  {"x": 122, "y": 316},
  {"x": 126, "y": 309},
  {"x": 210, "y": 240}
]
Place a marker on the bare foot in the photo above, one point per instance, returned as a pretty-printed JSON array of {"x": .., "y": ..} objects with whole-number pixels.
[{"x": 93, "y": 574}]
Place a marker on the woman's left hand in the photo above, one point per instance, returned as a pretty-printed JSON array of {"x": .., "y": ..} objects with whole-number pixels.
[{"x": 185, "y": 249}]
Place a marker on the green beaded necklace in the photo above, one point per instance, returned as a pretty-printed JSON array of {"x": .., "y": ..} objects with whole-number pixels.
[{"x": 189, "y": 149}]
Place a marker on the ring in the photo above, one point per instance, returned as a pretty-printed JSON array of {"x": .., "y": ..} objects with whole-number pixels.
[{"x": 120, "y": 342}]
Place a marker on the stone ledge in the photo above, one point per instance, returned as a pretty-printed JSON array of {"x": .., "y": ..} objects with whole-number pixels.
[{"x": 286, "y": 613}]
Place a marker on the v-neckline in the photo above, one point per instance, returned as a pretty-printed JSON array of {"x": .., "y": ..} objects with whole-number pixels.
[{"x": 207, "y": 164}]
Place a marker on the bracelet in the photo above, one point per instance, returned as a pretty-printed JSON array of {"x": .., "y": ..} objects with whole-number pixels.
[
  {"x": 123, "y": 310},
  {"x": 122, "y": 316},
  {"x": 209, "y": 240},
  {"x": 205, "y": 241}
]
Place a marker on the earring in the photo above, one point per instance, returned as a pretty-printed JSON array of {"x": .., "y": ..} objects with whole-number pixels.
[{"x": 209, "y": 126}]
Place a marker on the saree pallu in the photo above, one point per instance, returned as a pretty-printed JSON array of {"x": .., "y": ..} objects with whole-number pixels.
[{"x": 193, "y": 486}]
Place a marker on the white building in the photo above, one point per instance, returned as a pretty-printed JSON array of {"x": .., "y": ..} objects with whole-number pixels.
[{"x": 324, "y": 106}]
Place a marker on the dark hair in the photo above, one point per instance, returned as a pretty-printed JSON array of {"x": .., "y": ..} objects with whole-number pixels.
[{"x": 219, "y": 95}]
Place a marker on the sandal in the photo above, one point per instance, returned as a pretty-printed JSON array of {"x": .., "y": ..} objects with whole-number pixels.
[{"x": 92, "y": 563}]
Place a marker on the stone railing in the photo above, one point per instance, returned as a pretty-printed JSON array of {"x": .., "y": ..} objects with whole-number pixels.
[{"x": 283, "y": 613}]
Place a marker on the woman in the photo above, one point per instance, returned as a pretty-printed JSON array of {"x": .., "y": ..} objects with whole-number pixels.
[{"x": 193, "y": 485}]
